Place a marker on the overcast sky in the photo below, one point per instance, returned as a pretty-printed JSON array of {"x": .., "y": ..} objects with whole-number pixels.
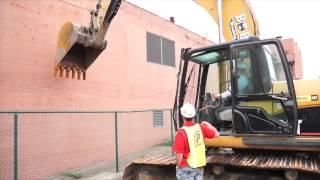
[{"x": 297, "y": 19}]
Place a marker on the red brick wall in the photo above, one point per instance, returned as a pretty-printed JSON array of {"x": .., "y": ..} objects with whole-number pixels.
[
  {"x": 120, "y": 79},
  {"x": 294, "y": 57}
]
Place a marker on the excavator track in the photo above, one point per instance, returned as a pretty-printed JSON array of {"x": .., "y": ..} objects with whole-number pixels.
[
  {"x": 219, "y": 160},
  {"x": 268, "y": 160}
]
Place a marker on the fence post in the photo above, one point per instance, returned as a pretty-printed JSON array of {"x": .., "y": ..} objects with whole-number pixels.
[
  {"x": 171, "y": 126},
  {"x": 116, "y": 140},
  {"x": 15, "y": 146}
]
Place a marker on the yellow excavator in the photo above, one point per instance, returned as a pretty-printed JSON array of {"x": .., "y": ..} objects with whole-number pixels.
[
  {"x": 269, "y": 125},
  {"x": 261, "y": 135}
]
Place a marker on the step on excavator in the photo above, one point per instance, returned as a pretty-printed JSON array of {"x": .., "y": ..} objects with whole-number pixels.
[{"x": 269, "y": 126}]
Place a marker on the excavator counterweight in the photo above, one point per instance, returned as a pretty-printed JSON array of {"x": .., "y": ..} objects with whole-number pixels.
[{"x": 79, "y": 46}]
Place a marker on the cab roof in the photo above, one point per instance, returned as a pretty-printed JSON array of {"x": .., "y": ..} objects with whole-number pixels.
[{"x": 214, "y": 53}]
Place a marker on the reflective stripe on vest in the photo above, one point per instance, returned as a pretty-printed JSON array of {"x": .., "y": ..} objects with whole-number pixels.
[{"x": 197, "y": 156}]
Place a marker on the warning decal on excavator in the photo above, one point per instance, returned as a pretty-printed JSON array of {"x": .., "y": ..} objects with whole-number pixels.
[
  {"x": 239, "y": 27},
  {"x": 307, "y": 98}
]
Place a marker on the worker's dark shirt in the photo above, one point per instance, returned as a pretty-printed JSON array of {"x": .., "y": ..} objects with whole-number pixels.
[{"x": 181, "y": 144}]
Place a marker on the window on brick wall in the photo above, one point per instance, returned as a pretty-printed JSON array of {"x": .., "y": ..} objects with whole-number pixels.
[{"x": 160, "y": 50}]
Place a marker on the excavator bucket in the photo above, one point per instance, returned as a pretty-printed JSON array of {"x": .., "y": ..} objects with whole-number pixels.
[
  {"x": 79, "y": 46},
  {"x": 75, "y": 51}
]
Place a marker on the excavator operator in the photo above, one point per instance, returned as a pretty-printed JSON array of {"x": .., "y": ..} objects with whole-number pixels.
[{"x": 242, "y": 83}]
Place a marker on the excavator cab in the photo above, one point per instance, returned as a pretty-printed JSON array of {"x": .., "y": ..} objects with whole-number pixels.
[
  {"x": 262, "y": 99},
  {"x": 79, "y": 46},
  {"x": 257, "y": 126}
]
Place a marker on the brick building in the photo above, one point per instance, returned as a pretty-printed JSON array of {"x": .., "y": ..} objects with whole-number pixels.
[{"x": 294, "y": 57}]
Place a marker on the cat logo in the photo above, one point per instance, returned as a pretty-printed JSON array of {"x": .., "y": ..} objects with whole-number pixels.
[
  {"x": 314, "y": 97},
  {"x": 307, "y": 98}
]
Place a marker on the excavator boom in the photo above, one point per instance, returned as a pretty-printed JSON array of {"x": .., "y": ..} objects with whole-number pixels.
[
  {"x": 79, "y": 46},
  {"x": 237, "y": 22}
]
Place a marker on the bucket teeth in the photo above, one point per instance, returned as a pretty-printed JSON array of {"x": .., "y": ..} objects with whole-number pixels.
[
  {"x": 79, "y": 74},
  {"x": 67, "y": 72},
  {"x": 56, "y": 71},
  {"x": 61, "y": 71},
  {"x": 73, "y": 73},
  {"x": 67, "y": 69},
  {"x": 84, "y": 74}
]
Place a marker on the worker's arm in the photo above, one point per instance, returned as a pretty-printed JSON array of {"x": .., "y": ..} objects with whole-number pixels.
[
  {"x": 178, "y": 147},
  {"x": 222, "y": 95},
  {"x": 216, "y": 133},
  {"x": 178, "y": 159}
]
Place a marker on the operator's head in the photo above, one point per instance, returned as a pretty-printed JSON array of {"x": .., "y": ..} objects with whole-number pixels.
[{"x": 188, "y": 111}]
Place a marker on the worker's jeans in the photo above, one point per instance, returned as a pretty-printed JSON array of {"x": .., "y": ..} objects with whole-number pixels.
[{"x": 188, "y": 173}]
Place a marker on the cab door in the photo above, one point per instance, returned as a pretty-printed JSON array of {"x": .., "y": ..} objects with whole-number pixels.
[
  {"x": 188, "y": 86},
  {"x": 263, "y": 93}
]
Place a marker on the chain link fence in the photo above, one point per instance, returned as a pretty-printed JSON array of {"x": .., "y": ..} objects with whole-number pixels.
[{"x": 38, "y": 145}]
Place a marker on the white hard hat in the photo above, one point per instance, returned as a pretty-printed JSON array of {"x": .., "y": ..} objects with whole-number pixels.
[{"x": 188, "y": 111}]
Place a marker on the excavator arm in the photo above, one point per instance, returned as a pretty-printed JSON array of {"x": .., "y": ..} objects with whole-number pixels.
[
  {"x": 79, "y": 46},
  {"x": 235, "y": 17}
]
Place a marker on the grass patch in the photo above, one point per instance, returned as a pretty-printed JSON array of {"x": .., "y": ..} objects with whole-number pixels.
[
  {"x": 166, "y": 143},
  {"x": 73, "y": 175}
]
